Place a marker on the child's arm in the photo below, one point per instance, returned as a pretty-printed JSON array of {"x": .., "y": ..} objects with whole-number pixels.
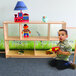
[
  {"x": 64, "y": 53},
  {"x": 67, "y": 49}
]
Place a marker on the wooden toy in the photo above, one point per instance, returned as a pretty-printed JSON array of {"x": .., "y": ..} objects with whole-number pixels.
[{"x": 29, "y": 53}]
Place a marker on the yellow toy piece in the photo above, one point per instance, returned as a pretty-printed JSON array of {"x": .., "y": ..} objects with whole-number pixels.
[
  {"x": 56, "y": 48},
  {"x": 49, "y": 51}
]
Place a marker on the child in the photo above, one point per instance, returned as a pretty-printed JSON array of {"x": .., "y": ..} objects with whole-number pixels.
[{"x": 62, "y": 59}]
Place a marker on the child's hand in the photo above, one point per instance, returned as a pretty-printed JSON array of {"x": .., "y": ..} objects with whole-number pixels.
[
  {"x": 63, "y": 53},
  {"x": 59, "y": 52}
]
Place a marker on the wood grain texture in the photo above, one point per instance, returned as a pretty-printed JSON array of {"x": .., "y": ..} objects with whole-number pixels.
[{"x": 29, "y": 54}]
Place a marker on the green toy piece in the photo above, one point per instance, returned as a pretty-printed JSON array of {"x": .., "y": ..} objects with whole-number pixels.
[{"x": 21, "y": 52}]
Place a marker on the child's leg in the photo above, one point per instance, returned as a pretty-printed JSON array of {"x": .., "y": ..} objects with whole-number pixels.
[
  {"x": 53, "y": 62},
  {"x": 61, "y": 64}
]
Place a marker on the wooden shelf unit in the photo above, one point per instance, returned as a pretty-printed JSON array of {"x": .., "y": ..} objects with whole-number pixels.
[{"x": 29, "y": 54}]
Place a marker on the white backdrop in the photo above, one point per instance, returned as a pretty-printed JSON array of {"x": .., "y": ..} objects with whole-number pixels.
[{"x": 55, "y": 10}]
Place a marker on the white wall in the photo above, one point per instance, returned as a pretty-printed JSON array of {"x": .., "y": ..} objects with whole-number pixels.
[{"x": 55, "y": 10}]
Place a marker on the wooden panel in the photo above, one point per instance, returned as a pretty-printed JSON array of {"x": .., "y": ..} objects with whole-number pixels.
[
  {"x": 70, "y": 27},
  {"x": 64, "y": 25},
  {"x": 12, "y": 38},
  {"x": 1, "y": 27},
  {"x": 35, "y": 22},
  {"x": 2, "y": 51},
  {"x": 6, "y": 47},
  {"x": 41, "y": 53},
  {"x": 34, "y": 48},
  {"x": 20, "y": 30},
  {"x": 33, "y": 38},
  {"x": 29, "y": 54},
  {"x": 34, "y": 53},
  {"x": 74, "y": 54},
  {"x": 48, "y": 31},
  {"x": 54, "y": 38},
  {"x": 5, "y": 31},
  {"x": 36, "y": 38}
]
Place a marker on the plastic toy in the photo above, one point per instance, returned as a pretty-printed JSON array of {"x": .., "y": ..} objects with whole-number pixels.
[
  {"x": 21, "y": 52},
  {"x": 44, "y": 19},
  {"x": 53, "y": 50},
  {"x": 21, "y": 17},
  {"x": 26, "y": 31}
]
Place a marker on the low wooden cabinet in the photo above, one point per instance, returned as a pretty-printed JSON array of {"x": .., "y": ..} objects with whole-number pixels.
[{"x": 33, "y": 53}]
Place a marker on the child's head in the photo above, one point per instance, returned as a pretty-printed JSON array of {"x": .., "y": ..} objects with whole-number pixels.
[{"x": 62, "y": 34}]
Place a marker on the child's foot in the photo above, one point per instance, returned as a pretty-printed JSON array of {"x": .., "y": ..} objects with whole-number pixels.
[{"x": 73, "y": 66}]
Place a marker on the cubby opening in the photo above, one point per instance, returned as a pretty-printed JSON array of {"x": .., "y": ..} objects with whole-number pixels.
[
  {"x": 15, "y": 47},
  {"x": 13, "y": 30},
  {"x": 40, "y": 34}
]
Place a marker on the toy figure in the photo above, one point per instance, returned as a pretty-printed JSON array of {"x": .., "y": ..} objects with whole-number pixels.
[
  {"x": 53, "y": 50},
  {"x": 26, "y": 31},
  {"x": 44, "y": 19}
]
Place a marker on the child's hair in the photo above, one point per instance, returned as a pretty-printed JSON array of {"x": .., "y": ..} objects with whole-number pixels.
[{"x": 64, "y": 31}]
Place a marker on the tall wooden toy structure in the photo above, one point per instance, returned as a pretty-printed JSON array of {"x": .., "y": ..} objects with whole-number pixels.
[{"x": 34, "y": 53}]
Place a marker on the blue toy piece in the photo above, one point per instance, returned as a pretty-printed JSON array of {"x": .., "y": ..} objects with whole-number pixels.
[{"x": 26, "y": 34}]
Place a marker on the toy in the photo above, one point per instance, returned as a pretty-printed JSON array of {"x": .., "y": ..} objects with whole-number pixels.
[
  {"x": 53, "y": 50},
  {"x": 26, "y": 31},
  {"x": 28, "y": 53},
  {"x": 21, "y": 52},
  {"x": 21, "y": 17},
  {"x": 44, "y": 19}
]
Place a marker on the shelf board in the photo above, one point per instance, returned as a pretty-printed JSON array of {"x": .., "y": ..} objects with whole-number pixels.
[
  {"x": 54, "y": 38},
  {"x": 29, "y": 54},
  {"x": 14, "y": 53},
  {"x": 35, "y": 22},
  {"x": 2, "y": 51},
  {"x": 12, "y": 38},
  {"x": 33, "y": 38},
  {"x": 40, "y": 53},
  {"x": 1, "y": 27}
]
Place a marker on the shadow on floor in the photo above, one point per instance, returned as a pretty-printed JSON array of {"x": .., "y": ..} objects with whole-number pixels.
[{"x": 2, "y": 55}]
